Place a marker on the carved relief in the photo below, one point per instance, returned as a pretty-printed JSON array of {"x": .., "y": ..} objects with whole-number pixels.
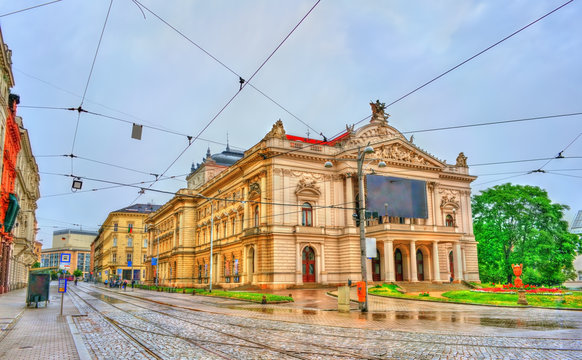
[
  {"x": 254, "y": 188},
  {"x": 309, "y": 186},
  {"x": 449, "y": 196},
  {"x": 400, "y": 153},
  {"x": 278, "y": 131}
]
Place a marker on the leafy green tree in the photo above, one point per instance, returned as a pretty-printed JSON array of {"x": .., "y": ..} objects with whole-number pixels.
[
  {"x": 77, "y": 273},
  {"x": 36, "y": 265},
  {"x": 517, "y": 224}
]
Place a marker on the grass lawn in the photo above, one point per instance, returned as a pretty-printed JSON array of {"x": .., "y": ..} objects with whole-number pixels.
[
  {"x": 560, "y": 301},
  {"x": 240, "y": 295}
]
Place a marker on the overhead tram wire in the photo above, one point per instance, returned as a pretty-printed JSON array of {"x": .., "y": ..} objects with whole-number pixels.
[
  {"x": 89, "y": 80},
  {"x": 560, "y": 154},
  {"x": 238, "y": 92},
  {"x": 469, "y": 59},
  {"x": 226, "y": 66},
  {"x": 29, "y": 8},
  {"x": 451, "y": 128},
  {"x": 189, "y": 137}
]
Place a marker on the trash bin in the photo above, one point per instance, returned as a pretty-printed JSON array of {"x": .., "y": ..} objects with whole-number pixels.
[{"x": 38, "y": 289}]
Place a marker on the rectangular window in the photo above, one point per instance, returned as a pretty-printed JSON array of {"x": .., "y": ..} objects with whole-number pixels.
[
  {"x": 114, "y": 241},
  {"x": 145, "y": 243},
  {"x": 129, "y": 257},
  {"x": 129, "y": 242},
  {"x": 145, "y": 257},
  {"x": 114, "y": 258},
  {"x": 233, "y": 226},
  {"x": 115, "y": 227}
]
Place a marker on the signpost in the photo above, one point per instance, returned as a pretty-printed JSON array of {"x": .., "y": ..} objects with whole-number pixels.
[{"x": 62, "y": 290}]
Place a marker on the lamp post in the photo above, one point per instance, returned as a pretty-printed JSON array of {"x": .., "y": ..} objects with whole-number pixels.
[
  {"x": 362, "y": 216},
  {"x": 211, "y": 238},
  {"x": 157, "y": 257}
]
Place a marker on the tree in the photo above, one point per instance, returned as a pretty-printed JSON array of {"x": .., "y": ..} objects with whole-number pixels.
[
  {"x": 36, "y": 265},
  {"x": 517, "y": 224},
  {"x": 78, "y": 273}
]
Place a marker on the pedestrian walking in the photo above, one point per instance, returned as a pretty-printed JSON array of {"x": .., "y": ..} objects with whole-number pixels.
[
  {"x": 132, "y": 283},
  {"x": 76, "y": 281},
  {"x": 124, "y": 284}
]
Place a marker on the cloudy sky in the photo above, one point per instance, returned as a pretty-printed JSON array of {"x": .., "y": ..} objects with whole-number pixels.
[{"x": 158, "y": 71}]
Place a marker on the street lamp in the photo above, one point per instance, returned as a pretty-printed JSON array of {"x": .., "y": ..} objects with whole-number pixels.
[
  {"x": 211, "y": 237},
  {"x": 362, "y": 214}
]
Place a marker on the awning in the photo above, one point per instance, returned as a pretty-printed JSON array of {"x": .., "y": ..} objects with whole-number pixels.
[{"x": 11, "y": 213}]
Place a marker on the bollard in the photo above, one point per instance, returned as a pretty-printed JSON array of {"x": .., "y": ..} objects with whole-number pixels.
[{"x": 343, "y": 299}]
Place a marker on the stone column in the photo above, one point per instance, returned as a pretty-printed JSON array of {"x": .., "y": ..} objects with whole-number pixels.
[
  {"x": 389, "y": 261},
  {"x": 263, "y": 207},
  {"x": 412, "y": 262},
  {"x": 458, "y": 262},
  {"x": 349, "y": 199},
  {"x": 299, "y": 270},
  {"x": 435, "y": 261}
]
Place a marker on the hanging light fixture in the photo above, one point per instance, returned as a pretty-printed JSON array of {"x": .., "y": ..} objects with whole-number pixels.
[{"x": 77, "y": 184}]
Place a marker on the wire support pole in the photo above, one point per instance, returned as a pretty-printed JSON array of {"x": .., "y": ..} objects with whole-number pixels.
[
  {"x": 211, "y": 241},
  {"x": 362, "y": 216}
]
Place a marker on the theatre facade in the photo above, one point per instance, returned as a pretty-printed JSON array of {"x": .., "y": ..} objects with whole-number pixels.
[{"x": 276, "y": 217}]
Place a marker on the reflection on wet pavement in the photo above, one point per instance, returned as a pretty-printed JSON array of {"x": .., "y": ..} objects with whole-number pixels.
[{"x": 107, "y": 299}]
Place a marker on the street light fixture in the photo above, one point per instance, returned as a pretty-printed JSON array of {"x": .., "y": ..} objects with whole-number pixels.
[{"x": 362, "y": 214}]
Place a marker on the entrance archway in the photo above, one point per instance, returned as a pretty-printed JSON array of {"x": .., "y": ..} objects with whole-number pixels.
[
  {"x": 419, "y": 265},
  {"x": 308, "y": 264},
  {"x": 376, "y": 276},
  {"x": 398, "y": 265},
  {"x": 452, "y": 266}
]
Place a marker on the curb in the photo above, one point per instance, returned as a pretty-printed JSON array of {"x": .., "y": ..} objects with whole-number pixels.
[{"x": 79, "y": 344}]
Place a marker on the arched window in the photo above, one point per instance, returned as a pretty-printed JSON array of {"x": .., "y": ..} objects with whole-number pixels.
[
  {"x": 306, "y": 215},
  {"x": 256, "y": 214},
  {"x": 449, "y": 220}
]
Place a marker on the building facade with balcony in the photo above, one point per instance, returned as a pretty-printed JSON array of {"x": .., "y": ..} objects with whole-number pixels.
[
  {"x": 278, "y": 218},
  {"x": 26, "y": 188},
  {"x": 119, "y": 250}
]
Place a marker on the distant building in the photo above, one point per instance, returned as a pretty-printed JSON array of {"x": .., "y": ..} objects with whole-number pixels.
[
  {"x": 119, "y": 250},
  {"x": 75, "y": 243},
  {"x": 576, "y": 228}
]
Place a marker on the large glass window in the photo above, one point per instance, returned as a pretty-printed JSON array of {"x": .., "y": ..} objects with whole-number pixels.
[
  {"x": 449, "y": 221},
  {"x": 306, "y": 215}
]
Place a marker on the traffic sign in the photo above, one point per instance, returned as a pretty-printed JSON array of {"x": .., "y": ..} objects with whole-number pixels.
[{"x": 63, "y": 285}]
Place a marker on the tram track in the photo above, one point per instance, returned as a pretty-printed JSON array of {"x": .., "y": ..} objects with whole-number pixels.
[
  {"x": 356, "y": 339},
  {"x": 327, "y": 351}
]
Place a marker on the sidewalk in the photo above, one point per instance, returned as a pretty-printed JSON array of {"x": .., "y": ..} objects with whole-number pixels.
[{"x": 38, "y": 333}]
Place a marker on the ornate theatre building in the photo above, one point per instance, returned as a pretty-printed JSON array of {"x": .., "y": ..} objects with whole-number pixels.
[{"x": 281, "y": 214}]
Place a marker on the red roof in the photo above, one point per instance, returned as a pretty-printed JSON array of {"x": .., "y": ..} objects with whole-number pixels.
[{"x": 331, "y": 142}]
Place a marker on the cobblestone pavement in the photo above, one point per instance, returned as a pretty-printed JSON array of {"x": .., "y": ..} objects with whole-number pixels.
[
  {"x": 37, "y": 333},
  {"x": 208, "y": 328}
]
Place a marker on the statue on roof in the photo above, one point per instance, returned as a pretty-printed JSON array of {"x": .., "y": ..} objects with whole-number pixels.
[
  {"x": 278, "y": 131},
  {"x": 378, "y": 113},
  {"x": 461, "y": 160}
]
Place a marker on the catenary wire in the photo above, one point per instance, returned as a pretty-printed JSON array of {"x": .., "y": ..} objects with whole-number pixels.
[
  {"x": 469, "y": 59},
  {"x": 224, "y": 65},
  {"x": 89, "y": 80},
  {"x": 560, "y": 154},
  {"x": 237, "y": 93},
  {"x": 29, "y": 8}
]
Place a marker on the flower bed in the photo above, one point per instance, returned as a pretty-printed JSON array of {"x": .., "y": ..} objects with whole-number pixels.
[{"x": 529, "y": 289}]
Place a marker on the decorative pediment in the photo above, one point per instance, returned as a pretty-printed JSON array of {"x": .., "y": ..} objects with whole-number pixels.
[
  {"x": 254, "y": 190},
  {"x": 307, "y": 188},
  {"x": 449, "y": 197},
  {"x": 400, "y": 152}
]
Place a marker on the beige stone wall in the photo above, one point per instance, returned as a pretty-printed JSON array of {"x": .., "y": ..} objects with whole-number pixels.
[{"x": 277, "y": 177}]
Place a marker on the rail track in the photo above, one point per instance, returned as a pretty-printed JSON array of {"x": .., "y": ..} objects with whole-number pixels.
[{"x": 226, "y": 330}]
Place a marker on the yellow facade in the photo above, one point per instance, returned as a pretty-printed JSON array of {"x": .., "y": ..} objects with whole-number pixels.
[
  {"x": 278, "y": 218},
  {"x": 121, "y": 246}
]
